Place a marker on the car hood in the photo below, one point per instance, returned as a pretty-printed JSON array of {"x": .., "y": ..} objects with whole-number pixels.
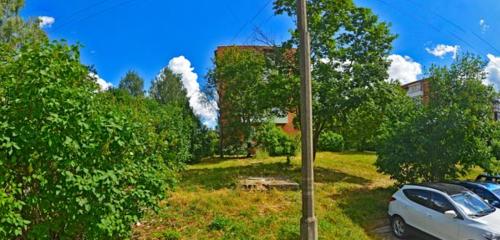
[{"x": 492, "y": 221}]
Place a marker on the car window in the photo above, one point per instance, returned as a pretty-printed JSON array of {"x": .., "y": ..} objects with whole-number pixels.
[
  {"x": 440, "y": 203},
  {"x": 485, "y": 195},
  {"x": 472, "y": 205},
  {"x": 421, "y": 197}
]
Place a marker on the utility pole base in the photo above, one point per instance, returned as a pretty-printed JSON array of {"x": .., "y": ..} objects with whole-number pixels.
[{"x": 309, "y": 228}]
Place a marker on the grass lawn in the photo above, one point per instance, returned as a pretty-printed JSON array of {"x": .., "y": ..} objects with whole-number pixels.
[{"x": 351, "y": 200}]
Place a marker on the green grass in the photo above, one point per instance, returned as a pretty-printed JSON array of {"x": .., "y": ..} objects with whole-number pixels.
[{"x": 351, "y": 200}]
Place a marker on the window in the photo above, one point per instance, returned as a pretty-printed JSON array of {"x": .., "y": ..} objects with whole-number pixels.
[
  {"x": 440, "y": 203},
  {"x": 415, "y": 88},
  {"x": 485, "y": 195},
  {"x": 421, "y": 197}
]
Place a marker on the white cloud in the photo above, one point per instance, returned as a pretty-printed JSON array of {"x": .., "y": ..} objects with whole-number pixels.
[
  {"x": 483, "y": 25},
  {"x": 206, "y": 111},
  {"x": 404, "y": 69},
  {"x": 440, "y": 50},
  {"x": 493, "y": 71},
  {"x": 46, "y": 21},
  {"x": 103, "y": 85}
]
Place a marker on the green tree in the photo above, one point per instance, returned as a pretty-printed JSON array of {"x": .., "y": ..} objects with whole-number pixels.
[
  {"x": 449, "y": 135},
  {"x": 132, "y": 83},
  {"x": 365, "y": 124},
  {"x": 349, "y": 50},
  {"x": 14, "y": 31},
  {"x": 167, "y": 88},
  {"x": 71, "y": 165},
  {"x": 238, "y": 81}
]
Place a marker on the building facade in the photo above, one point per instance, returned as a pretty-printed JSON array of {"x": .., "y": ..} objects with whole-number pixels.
[{"x": 420, "y": 91}]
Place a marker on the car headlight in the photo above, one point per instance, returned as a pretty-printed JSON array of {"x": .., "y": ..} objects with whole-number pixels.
[{"x": 491, "y": 236}]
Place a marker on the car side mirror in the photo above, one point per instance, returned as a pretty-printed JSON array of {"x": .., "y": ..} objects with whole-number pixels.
[{"x": 451, "y": 214}]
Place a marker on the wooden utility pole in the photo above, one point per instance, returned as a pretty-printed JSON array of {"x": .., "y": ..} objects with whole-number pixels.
[{"x": 308, "y": 223}]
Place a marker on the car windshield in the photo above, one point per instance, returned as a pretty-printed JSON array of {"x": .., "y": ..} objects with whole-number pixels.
[
  {"x": 472, "y": 205},
  {"x": 497, "y": 192}
]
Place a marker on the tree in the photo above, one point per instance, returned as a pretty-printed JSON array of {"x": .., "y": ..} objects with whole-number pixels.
[
  {"x": 71, "y": 165},
  {"x": 132, "y": 83},
  {"x": 349, "y": 50},
  {"x": 365, "y": 124},
  {"x": 446, "y": 137},
  {"x": 167, "y": 88},
  {"x": 238, "y": 82},
  {"x": 14, "y": 31}
]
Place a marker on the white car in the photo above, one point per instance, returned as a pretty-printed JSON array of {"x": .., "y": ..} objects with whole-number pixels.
[{"x": 445, "y": 211}]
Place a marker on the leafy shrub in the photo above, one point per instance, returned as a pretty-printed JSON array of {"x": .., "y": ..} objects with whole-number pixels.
[
  {"x": 496, "y": 141},
  {"x": 72, "y": 166},
  {"x": 275, "y": 141},
  {"x": 448, "y": 136},
  {"x": 330, "y": 141}
]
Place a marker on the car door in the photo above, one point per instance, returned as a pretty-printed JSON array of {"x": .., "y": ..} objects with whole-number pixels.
[
  {"x": 442, "y": 226},
  {"x": 418, "y": 209}
]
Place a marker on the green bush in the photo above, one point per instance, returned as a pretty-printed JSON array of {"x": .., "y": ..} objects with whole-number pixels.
[
  {"x": 496, "y": 141},
  {"x": 330, "y": 141},
  {"x": 447, "y": 137},
  {"x": 275, "y": 141},
  {"x": 71, "y": 165}
]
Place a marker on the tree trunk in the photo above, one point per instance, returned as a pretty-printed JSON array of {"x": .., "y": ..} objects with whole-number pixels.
[{"x": 315, "y": 143}]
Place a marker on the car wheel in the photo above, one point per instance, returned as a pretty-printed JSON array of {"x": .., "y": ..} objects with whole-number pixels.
[{"x": 399, "y": 227}]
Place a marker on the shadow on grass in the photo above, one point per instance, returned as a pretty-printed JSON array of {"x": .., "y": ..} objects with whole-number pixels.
[
  {"x": 368, "y": 209},
  {"x": 225, "y": 177}
]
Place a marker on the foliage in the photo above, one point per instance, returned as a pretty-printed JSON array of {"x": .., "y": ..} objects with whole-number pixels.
[
  {"x": 14, "y": 31},
  {"x": 71, "y": 165},
  {"x": 331, "y": 141},
  {"x": 349, "y": 50},
  {"x": 365, "y": 124},
  {"x": 167, "y": 88},
  {"x": 165, "y": 120},
  {"x": 275, "y": 141},
  {"x": 446, "y": 137},
  {"x": 132, "y": 83},
  {"x": 495, "y": 141},
  {"x": 238, "y": 80}
]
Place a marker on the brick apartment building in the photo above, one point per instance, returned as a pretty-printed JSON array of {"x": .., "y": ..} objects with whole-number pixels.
[{"x": 420, "y": 90}]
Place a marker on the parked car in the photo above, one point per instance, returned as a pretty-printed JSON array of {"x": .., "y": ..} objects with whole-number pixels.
[
  {"x": 445, "y": 211},
  {"x": 490, "y": 192},
  {"x": 488, "y": 178}
]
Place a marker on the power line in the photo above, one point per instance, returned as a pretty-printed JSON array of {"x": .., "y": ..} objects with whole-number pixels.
[
  {"x": 432, "y": 26},
  {"x": 251, "y": 20},
  {"x": 75, "y": 14},
  {"x": 257, "y": 27},
  {"x": 97, "y": 13},
  {"x": 457, "y": 26}
]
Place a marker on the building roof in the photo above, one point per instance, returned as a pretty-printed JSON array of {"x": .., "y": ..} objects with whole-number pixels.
[
  {"x": 411, "y": 83},
  {"x": 254, "y": 47}
]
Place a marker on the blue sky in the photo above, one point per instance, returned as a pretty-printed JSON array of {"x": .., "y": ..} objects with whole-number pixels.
[{"x": 145, "y": 35}]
